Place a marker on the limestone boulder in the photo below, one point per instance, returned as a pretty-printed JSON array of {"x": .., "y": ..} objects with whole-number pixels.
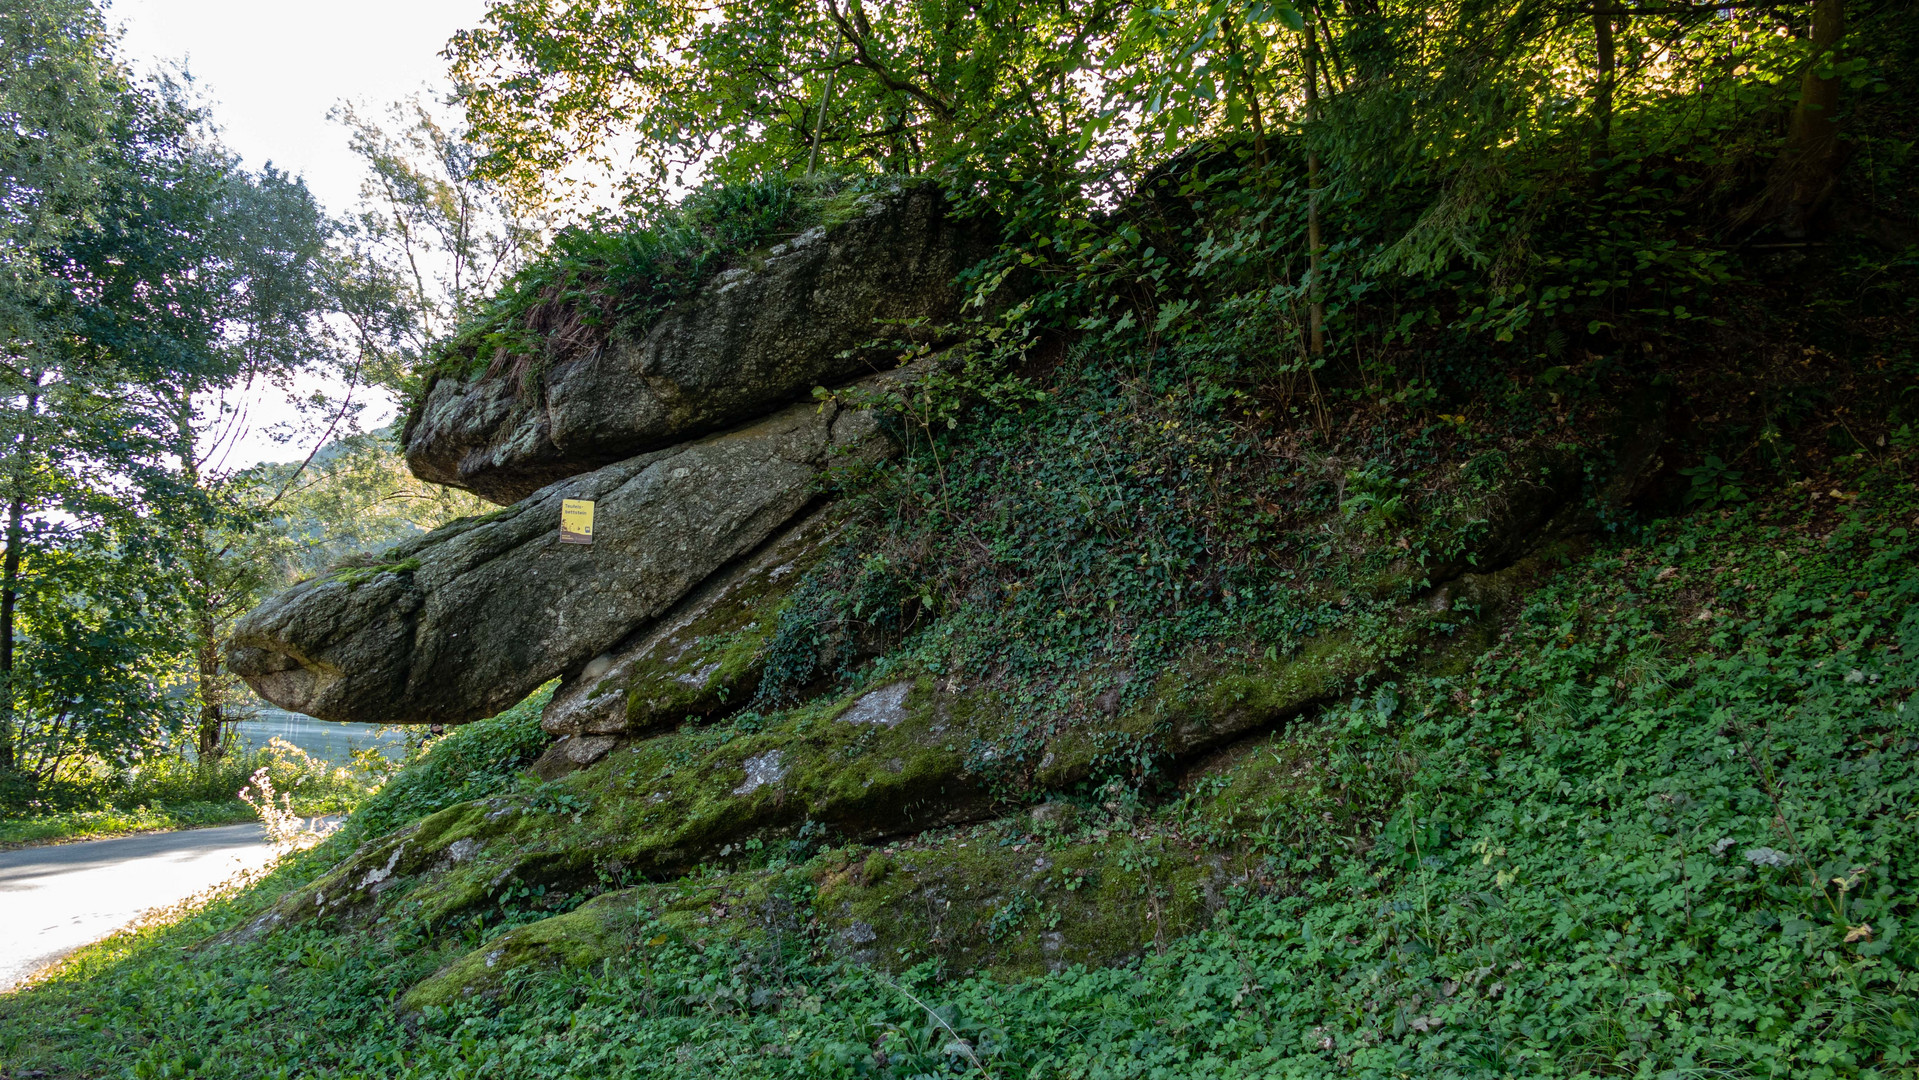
[
  {"x": 469, "y": 619},
  {"x": 751, "y": 339}
]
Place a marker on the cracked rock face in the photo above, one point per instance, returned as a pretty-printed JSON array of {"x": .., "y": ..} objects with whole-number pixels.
[
  {"x": 472, "y": 617},
  {"x": 749, "y": 341}
]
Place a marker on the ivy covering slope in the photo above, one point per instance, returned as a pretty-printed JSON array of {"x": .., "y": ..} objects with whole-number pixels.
[
  {"x": 1661, "y": 827},
  {"x": 1647, "y": 813}
]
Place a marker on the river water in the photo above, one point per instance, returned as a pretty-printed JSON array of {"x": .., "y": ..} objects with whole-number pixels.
[{"x": 325, "y": 739}]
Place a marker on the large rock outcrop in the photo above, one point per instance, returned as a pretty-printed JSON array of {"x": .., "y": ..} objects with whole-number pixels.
[
  {"x": 469, "y": 619},
  {"x": 666, "y": 761},
  {"x": 750, "y": 340}
]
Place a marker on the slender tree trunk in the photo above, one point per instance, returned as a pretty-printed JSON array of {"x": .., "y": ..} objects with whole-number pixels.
[
  {"x": 1332, "y": 51},
  {"x": 9, "y": 594},
  {"x": 1812, "y": 155},
  {"x": 10, "y": 577},
  {"x": 1248, "y": 90},
  {"x": 819, "y": 124},
  {"x": 212, "y": 704},
  {"x": 1315, "y": 290},
  {"x": 204, "y": 605},
  {"x": 1603, "y": 15},
  {"x": 203, "y": 600}
]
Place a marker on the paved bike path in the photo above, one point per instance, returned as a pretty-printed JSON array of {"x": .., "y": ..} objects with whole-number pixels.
[{"x": 57, "y": 898}]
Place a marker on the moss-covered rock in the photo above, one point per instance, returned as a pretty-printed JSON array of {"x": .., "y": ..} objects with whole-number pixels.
[
  {"x": 891, "y": 759},
  {"x": 910, "y": 749},
  {"x": 987, "y": 898},
  {"x": 661, "y": 805},
  {"x": 603, "y": 926},
  {"x": 484, "y": 612}
]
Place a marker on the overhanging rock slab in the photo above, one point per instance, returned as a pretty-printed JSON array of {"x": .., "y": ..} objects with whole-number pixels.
[{"x": 469, "y": 619}]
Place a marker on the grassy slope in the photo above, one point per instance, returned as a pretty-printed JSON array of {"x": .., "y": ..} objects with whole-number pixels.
[
  {"x": 1634, "y": 837},
  {"x": 98, "y": 824}
]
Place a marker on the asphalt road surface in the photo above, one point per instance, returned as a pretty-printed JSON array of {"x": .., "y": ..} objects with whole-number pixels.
[{"x": 57, "y": 898}]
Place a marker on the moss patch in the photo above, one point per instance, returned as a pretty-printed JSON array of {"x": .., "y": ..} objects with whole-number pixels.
[{"x": 973, "y": 898}]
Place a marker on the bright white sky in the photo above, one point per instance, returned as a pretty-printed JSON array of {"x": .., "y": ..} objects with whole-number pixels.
[{"x": 272, "y": 71}]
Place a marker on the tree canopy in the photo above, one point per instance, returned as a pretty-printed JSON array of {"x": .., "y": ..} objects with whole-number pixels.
[{"x": 150, "y": 289}]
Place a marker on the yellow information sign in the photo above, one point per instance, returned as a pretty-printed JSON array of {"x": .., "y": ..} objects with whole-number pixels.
[{"x": 576, "y": 521}]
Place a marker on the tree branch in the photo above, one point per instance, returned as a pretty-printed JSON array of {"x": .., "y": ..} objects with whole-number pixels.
[{"x": 854, "y": 36}]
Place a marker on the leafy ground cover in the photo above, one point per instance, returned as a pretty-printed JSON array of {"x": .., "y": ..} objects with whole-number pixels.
[
  {"x": 1132, "y": 511},
  {"x": 97, "y": 824},
  {"x": 1663, "y": 827},
  {"x": 469, "y": 762}
]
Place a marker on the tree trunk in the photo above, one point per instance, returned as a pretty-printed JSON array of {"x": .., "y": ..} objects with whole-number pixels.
[
  {"x": 10, "y": 578},
  {"x": 1315, "y": 293},
  {"x": 212, "y": 706},
  {"x": 1812, "y": 156},
  {"x": 1243, "y": 81},
  {"x": 819, "y": 124},
  {"x": 1603, "y": 14},
  {"x": 203, "y": 599},
  {"x": 9, "y": 595}
]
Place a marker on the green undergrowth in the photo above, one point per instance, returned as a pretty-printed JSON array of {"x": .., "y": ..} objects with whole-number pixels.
[
  {"x": 89, "y": 800},
  {"x": 1067, "y": 553},
  {"x": 98, "y": 824},
  {"x": 1663, "y": 826}
]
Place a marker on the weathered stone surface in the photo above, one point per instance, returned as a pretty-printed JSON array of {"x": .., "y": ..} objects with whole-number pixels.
[
  {"x": 889, "y": 759},
  {"x": 749, "y": 341},
  {"x": 705, "y": 655},
  {"x": 474, "y": 616},
  {"x": 902, "y": 750}
]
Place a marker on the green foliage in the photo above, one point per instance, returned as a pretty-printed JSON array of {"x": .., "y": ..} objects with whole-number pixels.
[
  {"x": 148, "y": 276},
  {"x": 851, "y": 607},
  {"x": 1659, "y": 827},
  {"x": 1147, "y": 506},
  {"x": 1484, "y": 169},
  {"x": 1714, "y": 483},
  {"x": 355, "y": 498},
  {"x": 737, "y": 91},
  {"x": 88, "y": 797},
  {"x": 96, "y": 674},
  {"x": 429, "y": 239},
  {"x": 471, "y": 761}
]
